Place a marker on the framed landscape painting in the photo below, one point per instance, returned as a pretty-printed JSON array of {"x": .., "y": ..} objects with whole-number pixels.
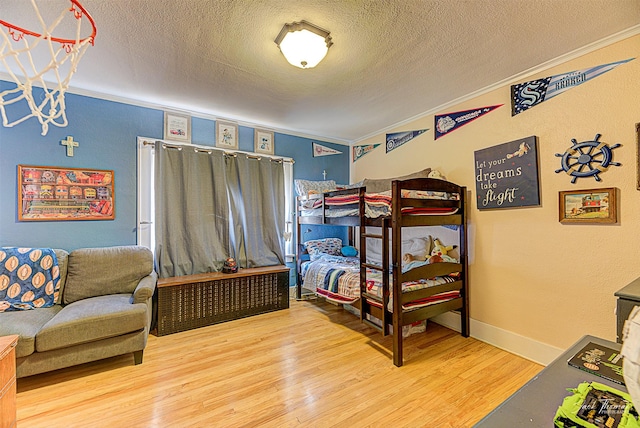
[{"x": 588, "y": 206}]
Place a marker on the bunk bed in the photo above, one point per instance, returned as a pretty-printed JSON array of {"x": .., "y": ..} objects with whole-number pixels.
[{"x": 390, "y": 294}]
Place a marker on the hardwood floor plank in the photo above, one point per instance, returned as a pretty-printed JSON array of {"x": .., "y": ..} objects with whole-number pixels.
[{"x": 314, "y": 364}]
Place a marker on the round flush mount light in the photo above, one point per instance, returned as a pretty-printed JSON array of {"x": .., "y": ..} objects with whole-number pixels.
[{"x": 303, "y": 44}]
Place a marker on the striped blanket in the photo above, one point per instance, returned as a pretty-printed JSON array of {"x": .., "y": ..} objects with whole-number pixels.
[
  {"x": 336, "y": 278},
  {"x": 374, "y": 286},
  {"x": 379, "y": 204}
]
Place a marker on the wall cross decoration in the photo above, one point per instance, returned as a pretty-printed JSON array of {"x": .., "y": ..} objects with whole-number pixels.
[{"x": 70, "y": 145}]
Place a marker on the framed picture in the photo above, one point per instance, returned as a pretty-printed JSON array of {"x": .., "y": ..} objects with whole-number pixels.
[
  {"x": 638, "y": 155},
  {"x": 177, "y": 127},
  {"x": 226, "y": 135},
  {"x": 589, "y": 206},
  {"x": 54, "y": 193},
  {"x": 263, "y": 141}
]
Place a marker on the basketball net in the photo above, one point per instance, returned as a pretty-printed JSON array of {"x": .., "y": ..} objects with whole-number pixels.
[{"x": 48, "y": 71}]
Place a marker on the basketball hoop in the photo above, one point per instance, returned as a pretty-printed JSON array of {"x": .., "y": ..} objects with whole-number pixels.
[{"x": 38, "y": 58}]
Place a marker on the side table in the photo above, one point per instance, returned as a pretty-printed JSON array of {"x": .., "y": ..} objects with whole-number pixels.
[
  {"x": 8, "y": 381},
  {"x": 536, "y": 403},
  {"x": 628, "y": 298}
]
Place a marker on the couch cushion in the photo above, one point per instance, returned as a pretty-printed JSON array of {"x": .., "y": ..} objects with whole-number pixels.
[
  {"x": 26, "y": 324},
  {"x": 63, "y": 258},
  {"x": 95, "y": 272},
  {"x": 92, "y": 319},
  {"x": 383, "y": 184}
]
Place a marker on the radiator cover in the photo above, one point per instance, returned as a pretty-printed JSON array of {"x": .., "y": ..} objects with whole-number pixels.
[{"x": 193, "y": 301}]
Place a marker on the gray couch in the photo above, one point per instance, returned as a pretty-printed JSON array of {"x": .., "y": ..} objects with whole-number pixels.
[{"x": 104, "y": 309}]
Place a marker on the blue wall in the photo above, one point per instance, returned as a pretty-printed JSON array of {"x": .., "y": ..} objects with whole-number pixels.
[{"x": 107, "y": 133}]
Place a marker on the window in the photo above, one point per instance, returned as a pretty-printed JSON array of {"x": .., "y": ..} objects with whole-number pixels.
[{"x": 146, "y": 200}]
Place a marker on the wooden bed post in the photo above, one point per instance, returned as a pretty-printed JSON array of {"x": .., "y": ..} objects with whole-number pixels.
[
  {"x": 396, "y": 241},
  {"x": 464, "y": 313},
  {"x": 298, "y": 241}
]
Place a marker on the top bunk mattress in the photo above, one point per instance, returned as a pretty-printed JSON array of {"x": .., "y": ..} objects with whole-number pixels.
[{"x": 379, "y": 204}]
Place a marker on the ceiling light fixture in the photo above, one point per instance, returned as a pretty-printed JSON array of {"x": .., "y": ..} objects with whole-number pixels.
[{"x": 303, "y": 44}]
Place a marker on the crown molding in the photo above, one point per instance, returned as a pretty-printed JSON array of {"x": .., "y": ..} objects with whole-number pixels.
[{"x": 607, "y": 41}]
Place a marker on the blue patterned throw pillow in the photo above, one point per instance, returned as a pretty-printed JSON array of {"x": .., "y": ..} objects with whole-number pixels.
[
  {"x": 317, "y": 247},
  {"x": 29, "y": 278}
]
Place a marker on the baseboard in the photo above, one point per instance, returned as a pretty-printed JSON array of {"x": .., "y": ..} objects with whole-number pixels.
[
  {"x": 516, "y": 344},
  {"x": 522, "y": 346}
]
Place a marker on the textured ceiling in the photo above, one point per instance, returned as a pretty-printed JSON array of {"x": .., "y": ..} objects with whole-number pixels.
[{"x": 391, "y": 59}]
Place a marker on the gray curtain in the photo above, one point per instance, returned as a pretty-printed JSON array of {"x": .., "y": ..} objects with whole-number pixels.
[
  {"x": 256, "y": 193},
  {"x": 210, "y": 206}
]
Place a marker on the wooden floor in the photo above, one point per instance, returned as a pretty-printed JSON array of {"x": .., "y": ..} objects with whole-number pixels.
[{"x": 312, "y": 365}]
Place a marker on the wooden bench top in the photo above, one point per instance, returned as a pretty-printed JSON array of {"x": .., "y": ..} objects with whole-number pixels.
[{"x": 213, "y": 276}]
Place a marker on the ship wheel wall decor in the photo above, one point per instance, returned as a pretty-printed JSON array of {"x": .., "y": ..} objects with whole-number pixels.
[{"x": 587, "y": 158}]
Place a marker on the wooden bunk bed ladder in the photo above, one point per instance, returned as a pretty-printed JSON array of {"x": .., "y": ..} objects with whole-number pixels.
[{"x": 377, "y": 310}]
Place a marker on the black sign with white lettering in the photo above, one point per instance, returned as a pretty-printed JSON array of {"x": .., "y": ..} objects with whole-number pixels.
[{"x": 507, "y": 175}]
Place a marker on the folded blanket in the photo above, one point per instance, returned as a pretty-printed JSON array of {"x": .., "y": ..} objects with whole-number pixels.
[{"x": 29, "y": 278}]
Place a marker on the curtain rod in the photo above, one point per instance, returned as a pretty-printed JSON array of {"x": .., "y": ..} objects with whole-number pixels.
[{"x": 210, "y": 150}]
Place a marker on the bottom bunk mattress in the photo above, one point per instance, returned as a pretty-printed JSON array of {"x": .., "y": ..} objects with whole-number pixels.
[
  {"x": 334, "y": 277},
  {"x": 374, "y": 286},
  {"x": 338, "y": 279}
]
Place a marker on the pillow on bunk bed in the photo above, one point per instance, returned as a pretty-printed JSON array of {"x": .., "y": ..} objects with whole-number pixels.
[
  {"x": 419, "y": 248},
  {"x": 383, "y": 184},
  {"x": 307, "y": 187},
  {"x": 349, "y": 251},
  {"x": 351, "y": 186},
  {"x": 318, "y": 247}
]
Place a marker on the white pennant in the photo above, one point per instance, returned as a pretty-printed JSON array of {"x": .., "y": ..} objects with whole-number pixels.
[{"x": 319, "y": 150}]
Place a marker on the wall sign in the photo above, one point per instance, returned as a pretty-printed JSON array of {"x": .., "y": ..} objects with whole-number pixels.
[
  {"x": 54, "y": 193},
  {"x": 507, "y": 175},
  {"x": 397, "y": 139},
  {"x": 359, "y": 151},
  {"x": 320, "y": 150},
  {"x": 529, "y": 94},
  {"x": 449, "y": 122}
]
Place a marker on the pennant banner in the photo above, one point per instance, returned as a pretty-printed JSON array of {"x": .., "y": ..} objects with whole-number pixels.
[
  {"x": 528, "y": 94},
  {"x": 445, "y": 123},
  {"x": 397, "y": 139},
  {"x": 359, "y": 151},
  {"x": 319, "y": 150}
]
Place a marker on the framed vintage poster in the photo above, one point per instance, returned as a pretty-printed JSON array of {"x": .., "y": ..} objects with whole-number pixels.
[
  {"x": 48, "y": 193},
  {"x": 588, "y": 206},
  {"x": 638, "y": 156},
  {"x": 507, "y": 175},
  {"x": 226, "y": 135},
  {"x": 263, "y": 142},
  {"x": 177, "y": 127}
]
